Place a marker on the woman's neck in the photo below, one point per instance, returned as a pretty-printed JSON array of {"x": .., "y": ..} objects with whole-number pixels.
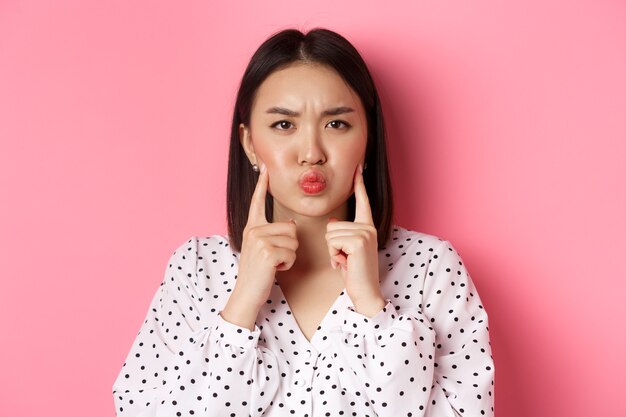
[{"x": 312, "y": 253}]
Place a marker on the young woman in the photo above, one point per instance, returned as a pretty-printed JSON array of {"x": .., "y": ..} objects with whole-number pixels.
[{"x": 314, "y": 304}]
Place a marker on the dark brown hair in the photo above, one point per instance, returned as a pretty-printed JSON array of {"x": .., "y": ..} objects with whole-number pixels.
[{"x": 328, "y": 48}]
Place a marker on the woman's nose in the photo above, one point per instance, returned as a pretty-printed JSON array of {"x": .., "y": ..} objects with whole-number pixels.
[{"x": 311, "y": 150}]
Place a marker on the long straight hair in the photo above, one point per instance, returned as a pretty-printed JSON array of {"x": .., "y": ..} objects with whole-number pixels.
[{"x": 320, "y": 46}]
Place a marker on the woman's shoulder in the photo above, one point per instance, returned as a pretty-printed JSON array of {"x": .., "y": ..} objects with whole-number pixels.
[
  {"x": 205, "y": 241},
  {"x": 213, "y": 249},
  {"x": 203, "y": 264},
  {"x": 405, "y": 245},
  {"x": 401, "y": 237},
  {"x": 411, "y": 246}
]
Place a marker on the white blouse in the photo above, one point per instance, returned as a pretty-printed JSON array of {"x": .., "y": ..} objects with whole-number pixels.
[{"x": 427, "y": 353}]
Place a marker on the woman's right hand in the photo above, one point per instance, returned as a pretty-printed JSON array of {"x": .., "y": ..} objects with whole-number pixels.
[{"x": 266, "y": 248}]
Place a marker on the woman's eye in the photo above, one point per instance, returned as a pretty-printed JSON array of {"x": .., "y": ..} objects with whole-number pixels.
[
  {"x": 282, "y": 125},
  {"x": 338, "y": 124}
]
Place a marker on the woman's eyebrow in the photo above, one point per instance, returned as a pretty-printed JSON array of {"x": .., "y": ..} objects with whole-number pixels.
[
  {"x": 333, "y": 111},
  {"x": 282, "y": 110}
]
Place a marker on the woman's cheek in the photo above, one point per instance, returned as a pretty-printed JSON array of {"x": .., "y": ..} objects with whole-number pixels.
[
  {"x": 348, "y": 185},
  {"x": 275, "y": 182}
]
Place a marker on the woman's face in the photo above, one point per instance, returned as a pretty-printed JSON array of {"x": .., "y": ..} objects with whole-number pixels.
[{"x": 309, "y": 129}]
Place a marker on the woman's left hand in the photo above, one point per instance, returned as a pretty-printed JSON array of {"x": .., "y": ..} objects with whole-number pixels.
[{"x": 353, "y": 247}]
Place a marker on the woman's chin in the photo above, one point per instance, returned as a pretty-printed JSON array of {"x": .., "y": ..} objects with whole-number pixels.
[{"x": 311, "y": 209}]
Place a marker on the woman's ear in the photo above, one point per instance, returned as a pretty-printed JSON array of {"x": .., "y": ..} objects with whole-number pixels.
[{"x": 246, "y": 142}]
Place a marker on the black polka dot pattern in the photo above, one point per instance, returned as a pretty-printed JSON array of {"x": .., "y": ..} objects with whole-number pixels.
[{"x": 426, "y": 353}]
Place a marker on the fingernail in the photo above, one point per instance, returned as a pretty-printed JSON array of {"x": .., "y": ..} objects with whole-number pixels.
[
  {"x": 262, "y": 167},
  {"x": 332, "y": 264},
  {"x": 360, "y": 167}
]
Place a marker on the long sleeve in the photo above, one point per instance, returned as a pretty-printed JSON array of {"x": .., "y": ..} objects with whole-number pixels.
[
  {"x": 464, "y": 368},
  {"x": 387, "y": 353},
  {"x": 432, "y": 359},
  {"x": 187, "y": 360}
]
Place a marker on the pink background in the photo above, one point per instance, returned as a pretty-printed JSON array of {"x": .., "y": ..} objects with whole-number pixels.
[{"x": 507, "y": 133}]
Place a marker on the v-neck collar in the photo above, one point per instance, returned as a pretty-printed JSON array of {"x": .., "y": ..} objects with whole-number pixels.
[{"x": 332, "y": 318}]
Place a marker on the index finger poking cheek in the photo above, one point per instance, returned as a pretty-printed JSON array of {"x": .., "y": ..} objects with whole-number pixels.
[
  {"x": 256, "y": 215},
  {"x": 363, "y": 211}
]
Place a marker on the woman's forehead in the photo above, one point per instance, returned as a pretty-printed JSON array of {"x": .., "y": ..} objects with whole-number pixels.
[{"x": 305, "y": 86}]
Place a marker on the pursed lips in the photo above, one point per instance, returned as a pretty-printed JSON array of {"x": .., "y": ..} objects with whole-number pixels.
[{"x": 312, "y": 182}]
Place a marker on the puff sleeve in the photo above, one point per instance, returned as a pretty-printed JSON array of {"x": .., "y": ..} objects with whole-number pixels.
[
  {"x": 187, "y": 360},
  {"x": 464, "y": 367},
  {"x": 431, "y": 359}
]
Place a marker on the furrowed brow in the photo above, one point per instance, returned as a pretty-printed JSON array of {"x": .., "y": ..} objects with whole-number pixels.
[
  {"x": 282, "y": 110},
  {"x": 335, "y": 111}
]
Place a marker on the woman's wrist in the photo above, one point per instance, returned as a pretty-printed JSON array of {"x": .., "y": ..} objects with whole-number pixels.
[
  {"x": 240, "y": 311},
  {"x": 369, "y": 307}
]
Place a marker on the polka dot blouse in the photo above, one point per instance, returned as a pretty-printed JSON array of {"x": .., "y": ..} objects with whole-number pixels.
[{"x": 426, "y": 353}]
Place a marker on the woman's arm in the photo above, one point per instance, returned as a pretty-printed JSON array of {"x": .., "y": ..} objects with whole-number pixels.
[
  {"x": 434, "y": 360},
  {"x": 186, "y": 358}
]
